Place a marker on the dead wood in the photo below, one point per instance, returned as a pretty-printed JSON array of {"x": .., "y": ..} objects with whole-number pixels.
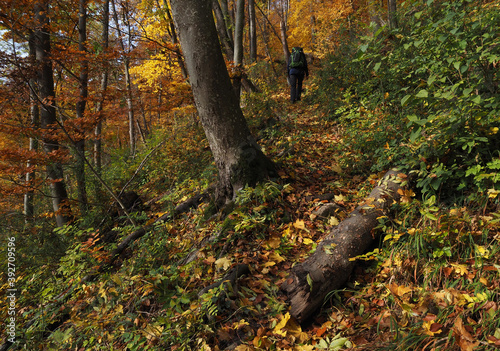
[{"x": 329, "y": 267}]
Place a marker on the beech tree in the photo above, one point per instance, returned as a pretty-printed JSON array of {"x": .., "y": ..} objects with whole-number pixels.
[
  {"x": 239, "y": 159},
  {"x": 48, "y": 120}
]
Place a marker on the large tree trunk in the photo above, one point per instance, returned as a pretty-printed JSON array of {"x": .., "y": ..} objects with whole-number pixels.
[
  {"x": 239, "y": 159},
  {"x": 329, "y": 267},
  {"x": 48, "y": 120},
  {"x": 80, "y": 109}
]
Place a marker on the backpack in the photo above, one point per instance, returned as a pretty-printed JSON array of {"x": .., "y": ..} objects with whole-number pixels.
[{"x": 297, "y": 58}]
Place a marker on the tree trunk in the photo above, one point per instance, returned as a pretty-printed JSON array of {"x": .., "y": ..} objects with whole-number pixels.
[
  {"x": 238, "y": 47},
  {"x": 329, "y": 267},
  {"x": 391, "y": 8},
  {"x": 253, "y": 30},
  {"x": 227, "y": 18},
  {"x": 173, "y": 35},
  {"x": 128, "y": 83},
  {"x": 227, "y": 44},
  {"x": 239, "y": 159},
  {"x": 283, "y": 32},
  {"x": 29, "y": 207},
  {"x": 48, "y": 121},
  {"x": 80, "y": 109},
  {"x": 100, "y": 103}
]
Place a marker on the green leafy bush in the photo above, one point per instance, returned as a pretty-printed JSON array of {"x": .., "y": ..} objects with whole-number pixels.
[{"x": 427, "y": 98}]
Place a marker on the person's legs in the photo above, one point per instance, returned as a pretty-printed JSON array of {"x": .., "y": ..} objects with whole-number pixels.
[
  {"x": 293, "y": 87},
  {"x": 300, "y": 79}
]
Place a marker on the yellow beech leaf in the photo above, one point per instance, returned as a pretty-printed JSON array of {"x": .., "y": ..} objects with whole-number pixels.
[
  {"x": 308, "y": 241},
  {"x": 299, "y": 224},
  {"x": 286, "y": 232},
  {"x": 243, "y": 348},
  {"x": 399, "y": 290},
  {"x": 276, "y": 257},
  {"x": 339, "y": 198},
  {"x": 431, "y": 328},
  {"x": 278, "y": 329},
  {"x": 269, "y": 264},
  {"x": 274, "y": 242},
  {"x": 223, "y": 263},
  {"x": 460, "y": 268},
  {"x": 294, "y": 329},
  {"x": 333, "y": 221},
  {"x": 482, "y": 251}
]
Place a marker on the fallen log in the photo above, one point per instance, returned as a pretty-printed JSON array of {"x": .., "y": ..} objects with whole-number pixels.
[{"x": 329, "y": 267}]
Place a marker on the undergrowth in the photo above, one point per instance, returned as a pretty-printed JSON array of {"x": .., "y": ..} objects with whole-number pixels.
[{"x": 387, "y": 100}]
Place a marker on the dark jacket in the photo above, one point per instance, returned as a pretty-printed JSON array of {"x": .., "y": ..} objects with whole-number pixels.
[{"x": 298, "y": 71}]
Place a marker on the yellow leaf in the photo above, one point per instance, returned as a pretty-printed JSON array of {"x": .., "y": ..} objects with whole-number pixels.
[
  {"x": 337, "y": 169},
  {"x": 119, "y": 309},
  {"x": 333, "y": 221},
  {"x": 274, "y": 242},
  {"x": 493, "y": 193},
  {"x": 286, "y": 232},
  {"x": 428, "y": 329},
  {"x": 308, "y": 241},
  {"x": 116, "y": 278},
  {"x": 460, "y": 268},
  {"x": 153, "y": 331},
  {"x": 399, "y": 290},
  {"x": 482, "y": 251},
  {"x": 339, "y": 198},
  {"x": 240, "y": 324},
  {"x": 278, "y": 329},
  {"x": 299, "y": 224},
  {"x": 276, "y": 257},
  {"x": 269, "y": 264},
  {"x": 223, "y": 263},
  {"x": 303, "y": 348}
]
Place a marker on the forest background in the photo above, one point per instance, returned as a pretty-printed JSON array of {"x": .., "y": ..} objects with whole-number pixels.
[{"x": 100, "y": 138}]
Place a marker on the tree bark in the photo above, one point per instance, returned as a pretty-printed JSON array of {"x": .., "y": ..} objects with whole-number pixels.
[
  {"x": 80, "y": 109},
  {"x": 391, "y": 8},
  {"x": 175, "y": 40},
  {"x": 329, "y": 267},
  {"x": 29, "y": 207},
  {"x": 238, "y": 47},
  {"x": 238, "y": 158},
  {"x": 48, "y": 120},
  {"x": 226, "y": 42},
  {"x": 100, "y": 103},
  {"x": 252, "y": 30},
  {"x": 128, "y": 83}
]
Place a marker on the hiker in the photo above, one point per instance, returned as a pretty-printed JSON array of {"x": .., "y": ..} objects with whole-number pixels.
[{"x": 297, "y": 68}]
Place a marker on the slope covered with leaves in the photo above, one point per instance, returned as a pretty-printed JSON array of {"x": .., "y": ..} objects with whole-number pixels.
[{"x": 432, "y": 280}]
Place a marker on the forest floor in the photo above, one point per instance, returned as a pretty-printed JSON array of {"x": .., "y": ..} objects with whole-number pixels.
[
  {"x": 401, "y": 296},
  {"x": 430, "y": 282}
]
